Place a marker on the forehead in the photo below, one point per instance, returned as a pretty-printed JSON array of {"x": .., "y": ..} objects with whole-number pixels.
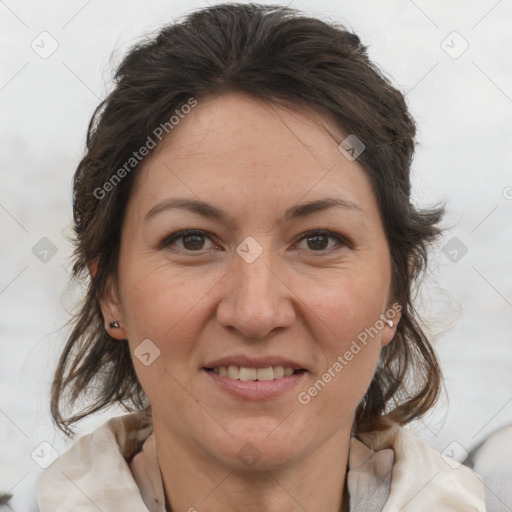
[
  {"x": 236, "y": 146},
  {"x": 254, "y": 132}
]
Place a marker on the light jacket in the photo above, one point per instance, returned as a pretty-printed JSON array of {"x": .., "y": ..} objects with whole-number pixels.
[{"x": 116, "y": 469}]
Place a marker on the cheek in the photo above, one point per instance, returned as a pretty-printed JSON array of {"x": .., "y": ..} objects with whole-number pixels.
[
  {"x": 164, "y": 304},
  {"x": 347, "y": 306},
  {"x": 166, "y": 308},
  {"x": 348, "y": 337},
  {"x": 349, "y": 333},
  {"x": 336, "y": 393}
]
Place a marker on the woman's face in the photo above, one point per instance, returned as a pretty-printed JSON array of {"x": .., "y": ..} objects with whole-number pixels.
[{"x": 252, "y": 289}]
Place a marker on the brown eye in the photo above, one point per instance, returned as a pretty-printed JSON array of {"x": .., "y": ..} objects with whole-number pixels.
[
  {"x": 318, "y": 241},
  {"x": 191, "y": 240}
]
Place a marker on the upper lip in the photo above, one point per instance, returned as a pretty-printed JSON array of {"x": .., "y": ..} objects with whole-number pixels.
[{"x": 254, "y": 362}]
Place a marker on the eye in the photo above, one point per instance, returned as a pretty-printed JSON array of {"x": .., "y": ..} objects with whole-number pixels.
[
  {"x": 317, "y": 241},
  {"x": 192, "y": 240}
]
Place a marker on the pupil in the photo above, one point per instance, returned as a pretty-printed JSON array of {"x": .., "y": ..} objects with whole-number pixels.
[
  {"x": 198, "y": 238},
  {"x": 317, "y": 238}
]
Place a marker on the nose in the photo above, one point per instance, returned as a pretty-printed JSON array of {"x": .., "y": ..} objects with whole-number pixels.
[{"x": 256, "y": 298}]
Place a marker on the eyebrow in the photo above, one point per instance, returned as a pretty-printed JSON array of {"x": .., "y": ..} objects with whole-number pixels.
[{"x": 210, "y": 211}]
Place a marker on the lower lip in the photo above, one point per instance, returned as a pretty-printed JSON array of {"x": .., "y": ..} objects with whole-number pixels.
[{"x": 256, "y": 389}]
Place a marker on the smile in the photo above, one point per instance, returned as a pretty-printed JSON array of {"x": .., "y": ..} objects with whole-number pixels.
[
  {"x": 252, "y": 388},
  {"x": 251, "y": 374}
]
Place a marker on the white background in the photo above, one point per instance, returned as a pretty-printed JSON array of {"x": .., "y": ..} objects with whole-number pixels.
[{"x": 463, "y": 107}]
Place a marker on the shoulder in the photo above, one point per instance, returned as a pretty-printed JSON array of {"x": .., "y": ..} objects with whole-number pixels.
[
  {"x": 491, "y": 459},
  {"x": 95, "y": 469},
  {"x": 422, "y": 479}
]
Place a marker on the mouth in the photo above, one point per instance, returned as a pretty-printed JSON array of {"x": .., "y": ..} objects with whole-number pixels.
[
  {"x": 254, "y": 378},
  {"x": 248, "y": 374}
]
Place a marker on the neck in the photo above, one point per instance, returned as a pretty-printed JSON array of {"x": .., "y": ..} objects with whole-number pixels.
[{"x": 195, "y": 481}]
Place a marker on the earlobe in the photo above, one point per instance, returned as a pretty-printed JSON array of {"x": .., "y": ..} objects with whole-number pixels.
[
  {"x": 110, "y": 307},
  {"x": 93, "y": 268},
  {"x": 114, "y": 324},
  {"x": 115, "y": 330},
  {"x": 112, "y": 313},
  {"x": 388, "y": 334},
  {"x": 393, "y": 315}
]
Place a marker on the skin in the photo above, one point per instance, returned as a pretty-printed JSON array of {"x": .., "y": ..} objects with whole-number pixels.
[{"x": 253, "y": 161}]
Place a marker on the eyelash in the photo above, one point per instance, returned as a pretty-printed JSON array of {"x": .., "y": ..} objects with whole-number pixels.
[{"x": 342, "y": 242}]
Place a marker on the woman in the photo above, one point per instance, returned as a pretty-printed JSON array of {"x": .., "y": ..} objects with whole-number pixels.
[{"x": 243, "y": 210}]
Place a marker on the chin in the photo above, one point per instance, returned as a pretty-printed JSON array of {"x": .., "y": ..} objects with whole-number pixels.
[{"x": 254, "y": 444}]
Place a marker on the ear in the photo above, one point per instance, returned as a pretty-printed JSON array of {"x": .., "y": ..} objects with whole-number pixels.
[
  {"x": 393, "y": 313},
  {"x": 110, "y": 306}
]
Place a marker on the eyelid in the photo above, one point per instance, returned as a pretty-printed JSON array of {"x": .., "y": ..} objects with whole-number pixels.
[
  {"x": 177, "y": 235},
  {"x": 343, "y": 240}
]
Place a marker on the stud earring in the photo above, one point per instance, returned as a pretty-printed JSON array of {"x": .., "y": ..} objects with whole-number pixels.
[
  {"x": 390, "y": 323},
  {"x": 114, "y": 324}
]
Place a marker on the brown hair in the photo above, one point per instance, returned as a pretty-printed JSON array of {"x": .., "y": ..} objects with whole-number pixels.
[{"x": 278, "y": 55}]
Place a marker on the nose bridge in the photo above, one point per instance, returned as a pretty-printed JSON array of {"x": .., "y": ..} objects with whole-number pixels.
[
  {"x": 256, "y": 300},
  {"x": 257, "y": 276}
]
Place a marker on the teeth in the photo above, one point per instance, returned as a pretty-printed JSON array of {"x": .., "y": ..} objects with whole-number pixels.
[
  {"x": 233, "y": 372},
  {"x": 251, "y": 374},
  {"x": 278, "y": 372},
  {"x": 247, "y": 374},
  {"x": 264, "y": 373}
]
